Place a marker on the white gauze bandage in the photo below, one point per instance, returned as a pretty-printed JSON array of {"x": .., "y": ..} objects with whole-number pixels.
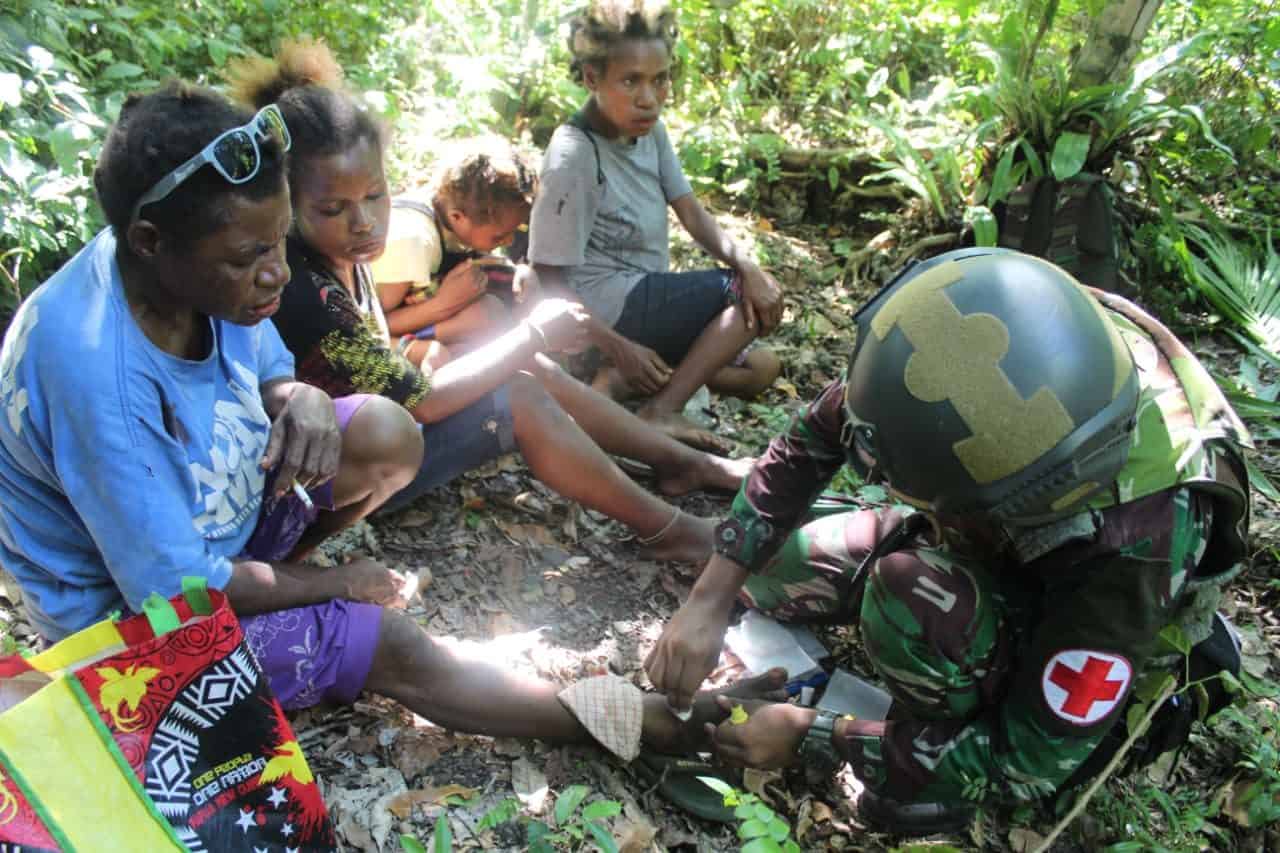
[{"x": 611, "y": 709}]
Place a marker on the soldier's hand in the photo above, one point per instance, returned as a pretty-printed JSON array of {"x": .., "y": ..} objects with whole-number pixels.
[{"x": 768, "y": 739}]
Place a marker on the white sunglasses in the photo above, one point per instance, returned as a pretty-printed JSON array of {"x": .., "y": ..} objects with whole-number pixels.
[{"x": 234, "y": 153}]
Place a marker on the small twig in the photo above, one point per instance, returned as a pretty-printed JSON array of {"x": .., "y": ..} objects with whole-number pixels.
[
  {"x": 1083, "y": 799},
  {"x": 923, "y": 243}
]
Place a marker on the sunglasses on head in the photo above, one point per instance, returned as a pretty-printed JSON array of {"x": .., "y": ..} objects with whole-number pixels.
[{"x": 233, "y": 153}]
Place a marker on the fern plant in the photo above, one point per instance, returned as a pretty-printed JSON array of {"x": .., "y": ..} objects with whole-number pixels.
[{"x": 1240, "y": 282}]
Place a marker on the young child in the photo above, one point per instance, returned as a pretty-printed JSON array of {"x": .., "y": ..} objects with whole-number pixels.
[
  {"x": 437, "y": 280},
  {"x": 599, "y": 226}
]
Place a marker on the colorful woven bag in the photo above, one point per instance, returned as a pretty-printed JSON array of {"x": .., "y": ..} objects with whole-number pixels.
[{"x": 155, "y": 733}]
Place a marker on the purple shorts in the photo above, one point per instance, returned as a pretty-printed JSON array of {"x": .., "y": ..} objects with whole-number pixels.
[{"x": 323, "y": 651}]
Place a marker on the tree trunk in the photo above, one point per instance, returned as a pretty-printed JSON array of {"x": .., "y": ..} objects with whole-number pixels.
[{"x": 1113, "y": 42}]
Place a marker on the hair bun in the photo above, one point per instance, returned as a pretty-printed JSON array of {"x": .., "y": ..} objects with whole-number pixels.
[{"x": 299, "y": 62}]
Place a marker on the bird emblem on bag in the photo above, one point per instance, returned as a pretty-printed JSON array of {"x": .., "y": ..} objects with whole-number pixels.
[
  {"x": 124, "y": 688},
  {"x": 288, "y": 761}
]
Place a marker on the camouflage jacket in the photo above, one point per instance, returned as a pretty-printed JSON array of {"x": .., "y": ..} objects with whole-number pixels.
[{"x": 1098, "y": 585}]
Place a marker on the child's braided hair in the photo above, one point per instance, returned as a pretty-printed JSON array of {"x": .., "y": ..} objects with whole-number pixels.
[
  {"x": 484, "y": 176},
  {"x": 604, "y": 23}
]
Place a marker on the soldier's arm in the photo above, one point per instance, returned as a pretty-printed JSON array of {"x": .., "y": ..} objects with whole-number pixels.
[
  {"x": 785, "y": 481},
  {"x": 1105, "y": 603}
]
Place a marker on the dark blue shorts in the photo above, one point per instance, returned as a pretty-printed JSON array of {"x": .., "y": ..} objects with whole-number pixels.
[
  {"x": 467, "y": 439},
  {"x": 668, "y": 311}
]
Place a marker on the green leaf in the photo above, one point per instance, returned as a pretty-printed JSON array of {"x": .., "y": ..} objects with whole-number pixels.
[
  {"x": 1032, "y": 157},
  {"x": 986, "y": 231},
  {"x": 568, "y": 801},
  {"x": 501, "y": 813},
  {"x": 1002, "y": 180},
  {"x": 1259, "y": 480},
  {"x": 604, "y": 841},
  {"x": 761, "y": 845},
  {"x": 66, "y": 141},
  {"x": 779, "y": 829},
  {"x": 442, "y": 839},
  {"x": 720, "y": 786},
  {"x": 877, "y": 81},
  {"x": 409, "y": 844},
  {"x": 833, "y": 177},
  {"x": 762, "y": 812},
  {"x": 1069, "y": 154},
  {"x": 1173, "y": 635},
  {"x": 121, "y": 70},
  {"x": 753, "y": 829},
  {"x": 744, "y": 811},
  {"x": 1272, "y": 37},
  {"x": 601, "y": 809}
]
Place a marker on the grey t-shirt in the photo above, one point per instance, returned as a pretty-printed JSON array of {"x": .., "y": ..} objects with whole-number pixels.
[{"x": 608, "y": 235}]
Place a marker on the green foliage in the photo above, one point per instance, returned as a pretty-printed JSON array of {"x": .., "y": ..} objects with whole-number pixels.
[
  {"x": 65, "y": 69},
  {"x": 1239, "y": 279},
  {"x": 759, "y": 827},
  {"x": 574, "y": 827}
]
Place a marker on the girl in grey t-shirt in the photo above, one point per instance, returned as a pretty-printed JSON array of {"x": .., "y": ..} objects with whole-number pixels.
[{"x": 599, "y": 228}]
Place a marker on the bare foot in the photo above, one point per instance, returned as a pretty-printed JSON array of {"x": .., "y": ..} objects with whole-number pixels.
[
  {"x": 697, "y": 471},
  {"x": 687, "y": 432},
  {"x": 665, "y": 732},
  {"x": 689, "y": 540}
]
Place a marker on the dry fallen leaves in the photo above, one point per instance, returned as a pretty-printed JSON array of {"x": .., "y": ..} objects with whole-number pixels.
[
  {"x": 1024, "y": 840},
  {"x": 529, "y": 784}
]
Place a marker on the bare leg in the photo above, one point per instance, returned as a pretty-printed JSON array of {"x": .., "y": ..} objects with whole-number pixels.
[
  {"x": 679, "y": 468},
  {"x": 722, "y": 339},
  {"x": 760, "y": 371},
  {"x": 381, "y": 453},
  {"x": 564, "y": 457},
  {"x": 432, "y": 354},
  {"x": 480, "y": 321},
  {"x": 458, "y": 686}
]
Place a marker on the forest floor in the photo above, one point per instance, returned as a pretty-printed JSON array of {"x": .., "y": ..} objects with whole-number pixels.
[{"x": 562, "y": 592}]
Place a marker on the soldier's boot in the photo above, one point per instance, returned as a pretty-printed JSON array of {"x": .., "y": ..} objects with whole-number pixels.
[{"x": 887, "y": 815}]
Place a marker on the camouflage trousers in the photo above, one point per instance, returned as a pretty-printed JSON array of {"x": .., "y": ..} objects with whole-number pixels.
[{"x": 927, "y": 617}]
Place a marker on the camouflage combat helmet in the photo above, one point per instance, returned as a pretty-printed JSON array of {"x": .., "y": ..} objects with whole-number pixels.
[{"x": 988, "y": 381}]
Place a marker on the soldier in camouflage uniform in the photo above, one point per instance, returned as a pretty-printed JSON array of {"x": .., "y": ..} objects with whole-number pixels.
[{"x": 1080, "y": 486}]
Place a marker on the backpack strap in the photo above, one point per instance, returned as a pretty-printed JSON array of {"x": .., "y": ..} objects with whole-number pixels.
[
  {"x": 1068, "y": 215},
  {"x": 401, "y": 203},
  {"x": 1017, "y": 218},
  {"x": 579, "y": 121}
]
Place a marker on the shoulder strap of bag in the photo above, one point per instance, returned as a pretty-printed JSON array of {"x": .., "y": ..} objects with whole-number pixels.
[
  {"x": 579, "y": 121},
  {"x": 1069, "y": 209},
  {"x": 1017, "y": 219}
]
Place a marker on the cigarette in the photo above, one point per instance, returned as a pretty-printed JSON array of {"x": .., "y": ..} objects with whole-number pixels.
[{"x": 302, "y": 495}]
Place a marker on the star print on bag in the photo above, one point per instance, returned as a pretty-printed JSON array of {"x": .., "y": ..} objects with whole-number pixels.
[{"x": 1083, "y": 686}]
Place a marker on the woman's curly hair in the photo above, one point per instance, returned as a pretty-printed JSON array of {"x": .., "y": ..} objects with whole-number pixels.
[
  {"x": 605, "y": 23},
  {"x": 305, "y": 81},
  {"x": 484, "y": 176}
]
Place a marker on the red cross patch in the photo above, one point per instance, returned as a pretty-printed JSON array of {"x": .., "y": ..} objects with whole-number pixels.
[{"x": 1083, "y": 686}]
